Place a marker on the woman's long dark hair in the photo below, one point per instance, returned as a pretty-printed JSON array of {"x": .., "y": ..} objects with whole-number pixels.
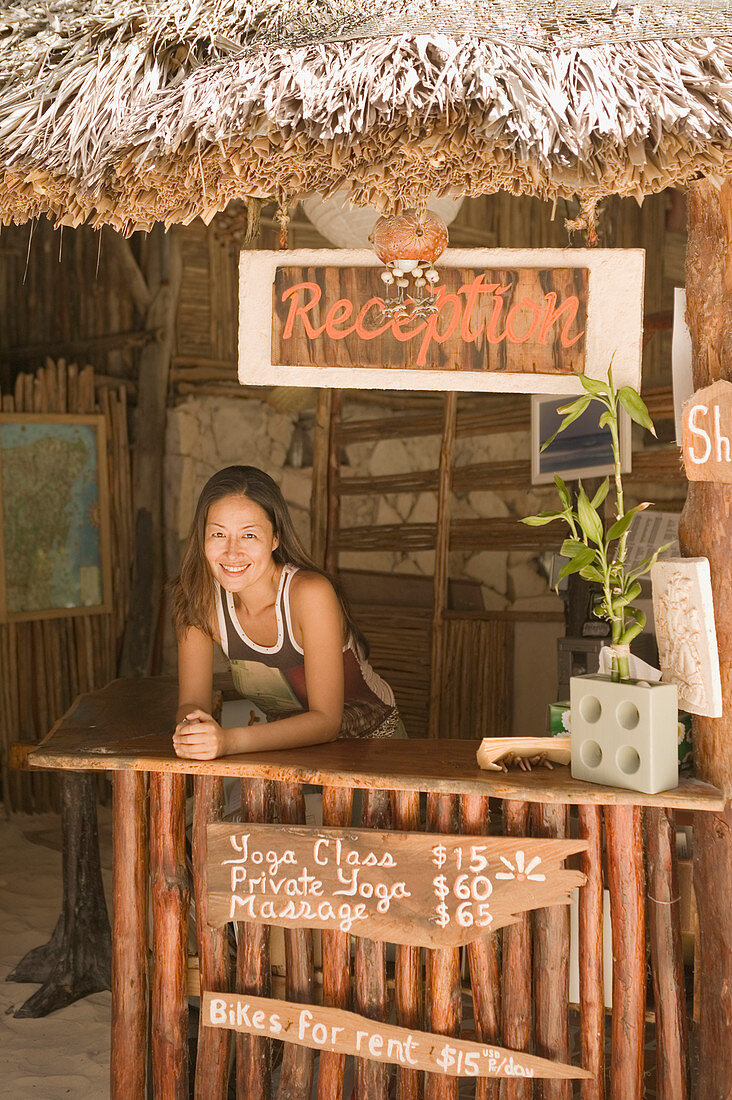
[{"x": 193, "y": 591}]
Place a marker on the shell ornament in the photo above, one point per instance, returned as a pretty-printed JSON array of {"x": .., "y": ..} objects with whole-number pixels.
[{"x": 409, "y": 244}]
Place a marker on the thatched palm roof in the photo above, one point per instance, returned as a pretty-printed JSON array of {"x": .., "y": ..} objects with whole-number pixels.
[{"x": 130, "y": 111}]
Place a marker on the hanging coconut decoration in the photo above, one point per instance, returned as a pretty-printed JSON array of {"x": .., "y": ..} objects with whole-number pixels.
[{"x": 409, "y": 244}]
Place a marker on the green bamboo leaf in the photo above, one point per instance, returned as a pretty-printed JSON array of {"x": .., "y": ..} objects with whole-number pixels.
[
  {"x": 590, "y": 573},
  {"x": 606, "y": 418},
  {"x": 601, "y": 493},
  {"x": 635, "y": 407},
  {"x": 541, "y": 519},
  {"x": 621, "y": 525},
  {"x": 570, "y": 547},
  {"x": 590, "y": 521},
  {"x": 563, "y": 491},
  {"x": 593, "y": 386},
  {"x": 573, "y": 412},
  {"x": 577, "y": 563}
]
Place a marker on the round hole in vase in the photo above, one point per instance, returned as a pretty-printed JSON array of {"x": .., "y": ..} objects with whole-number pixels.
[
  {"x": 627, "y": 715},
  {"x": 628, "y": 760},
  {"x": 590, "y": 709},
  {"x": 591, "y": 754}
]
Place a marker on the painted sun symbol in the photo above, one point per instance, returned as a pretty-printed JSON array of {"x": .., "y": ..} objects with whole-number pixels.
[{"x": 521, "y": 871}]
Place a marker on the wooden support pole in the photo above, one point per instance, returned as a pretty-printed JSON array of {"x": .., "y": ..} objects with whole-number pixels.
[
  {"x": 590, "y": 953},
  {"x": 706, "y": 530},
  {"x": 664, "y": 933},
  {"x": 128, "y": 1055},
  {"x": 372, "y": 1077},
  {"x": 319, "y": 490},
  {"x": 170, "y": 898},
  {"x": 212, "y": 1057},
  {"x": 516, "y": 968},
  {"x": 408, "y": 972},
  {"x": 296, "y": 1074},
  {"x": 253, "y": 975},
  {"x": 624, "y": 845},
  {"x": 442, "y": 979},
  {"x": 551, "y": 964},
  {"x": 334, "y": 466},
  {"x": 337, "y": 809},
  {"x": 442, "y": 554},
  {"x": 483, "y": 959}
]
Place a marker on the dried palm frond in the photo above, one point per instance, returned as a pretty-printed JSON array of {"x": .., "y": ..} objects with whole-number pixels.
[{"x": 129, "y": 112}]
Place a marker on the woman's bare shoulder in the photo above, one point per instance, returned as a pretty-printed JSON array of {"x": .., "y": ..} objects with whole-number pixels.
[{"x": 308, "y": 588}]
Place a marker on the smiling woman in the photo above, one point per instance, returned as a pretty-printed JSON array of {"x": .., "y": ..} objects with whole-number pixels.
[{"x": 247, "y": 584}]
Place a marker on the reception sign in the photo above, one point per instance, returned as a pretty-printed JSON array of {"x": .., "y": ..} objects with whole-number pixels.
[
  {"x": 707, "y": 434},
  {"x": 512, "y": 320},
  {"x": 412, "y": 888}
]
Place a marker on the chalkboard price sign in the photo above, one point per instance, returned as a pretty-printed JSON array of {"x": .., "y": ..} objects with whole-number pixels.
[{"x": 414, "y": 888}]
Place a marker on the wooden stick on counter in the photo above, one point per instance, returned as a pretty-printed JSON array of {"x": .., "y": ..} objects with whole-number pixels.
[
  {"x": 128, "y": 1057},
  {"x": 296, "y": 1074},
  {"x": 624, "y": 843},
  {"x": 442, "y": 980},
  {"x": 170, "y": 900},
  {"x": 372, "y": 1077},
  {"x": 408, "y": 973},
  {"x": 516, "y": 968},
  {"x": 551, "y": 964},
  {"x": 212, "y": 1057},
  {"x": 337, "y": 809},
  {"x": 485, "y": 975},
  {"x": 590, "y": 952},
  {"x": 664, "y": 930}
]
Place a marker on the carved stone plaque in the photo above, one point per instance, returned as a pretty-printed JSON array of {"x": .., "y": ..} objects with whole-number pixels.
[
  {"x": 334, "y": 1029},
  {"x": 687, "y": 640},
  {"x": 412, "y": 888}
]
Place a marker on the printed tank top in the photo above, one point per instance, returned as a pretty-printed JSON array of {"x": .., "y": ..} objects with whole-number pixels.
[{"x": 273, "y": 677}]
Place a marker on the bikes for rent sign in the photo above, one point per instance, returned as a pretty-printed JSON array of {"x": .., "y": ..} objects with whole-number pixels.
[
  {"x": 503, "y": 319},
  {"x": 409, "y": 888}
]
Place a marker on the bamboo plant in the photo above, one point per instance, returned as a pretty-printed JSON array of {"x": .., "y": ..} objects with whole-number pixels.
[{"x": 597, "y": 554}]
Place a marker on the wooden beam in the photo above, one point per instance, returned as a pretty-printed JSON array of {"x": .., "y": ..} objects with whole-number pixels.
[
  {"x": 442, "y": 552},
  {"x": 132, "y": 276},
  {"x": 163, "y": 267},
  {"x": 465, "y": 534},
  {"x": 706, "y": 530},
  {"x": 69, "y": 349}
]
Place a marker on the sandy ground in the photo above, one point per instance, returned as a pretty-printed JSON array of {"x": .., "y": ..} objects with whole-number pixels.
[{"x": 67, "y": 1053}]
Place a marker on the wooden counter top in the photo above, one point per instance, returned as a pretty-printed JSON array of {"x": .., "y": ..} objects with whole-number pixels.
[{"x": 128, "y": 726}]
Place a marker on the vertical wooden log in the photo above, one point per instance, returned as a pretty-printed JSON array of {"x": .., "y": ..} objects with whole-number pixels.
[
  {"x": 442, "y": 552},
  {"x": 169, "y": 883},
  {"x": 212, "y": 1057},
  {"x": 551, "y": 965},
  {"x": 516, "y": 968},
  {"x": 408, "y": 973},
  {"x": 319, "y": 490},
  {"x": 337, "y": 808},
  {"x": 253, "y": 974},
  {"x": 296, "y": 1074},
  {"x": 442, "y": 978},
  {"x": 590, "y": 952},
  {"x": 370, "y": 967},
  {"x": 483, "y": 955},
  {"x": 624, "y": 844},
  {"x": 664, "y": 933},
  {"x": 706, "y": 530},
  {"x": 334, "y": 466},
  {"x": 128, "y": 1056}
]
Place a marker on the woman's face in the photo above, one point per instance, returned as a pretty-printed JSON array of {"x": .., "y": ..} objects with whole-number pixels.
[{"x": 238, "y": 542}]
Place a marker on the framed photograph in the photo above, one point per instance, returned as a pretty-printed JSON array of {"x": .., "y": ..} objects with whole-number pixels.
[
  {"x": 583, "y": 450},
  {"x": 54, "y": 517}
]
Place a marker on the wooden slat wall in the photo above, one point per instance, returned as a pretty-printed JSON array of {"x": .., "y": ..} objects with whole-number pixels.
[{"x": 44, "y": 664}]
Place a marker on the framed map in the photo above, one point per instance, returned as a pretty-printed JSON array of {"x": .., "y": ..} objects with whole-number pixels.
[{"x": 54, "y": 516}]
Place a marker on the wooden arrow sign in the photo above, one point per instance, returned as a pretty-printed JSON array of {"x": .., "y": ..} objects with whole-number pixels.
[
  {"x": 411, "y": 888},
  {"x": 334, "y": 1029}
]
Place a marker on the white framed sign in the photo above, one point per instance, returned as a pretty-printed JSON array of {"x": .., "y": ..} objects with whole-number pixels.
[{"x": 511, "y": 320}]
